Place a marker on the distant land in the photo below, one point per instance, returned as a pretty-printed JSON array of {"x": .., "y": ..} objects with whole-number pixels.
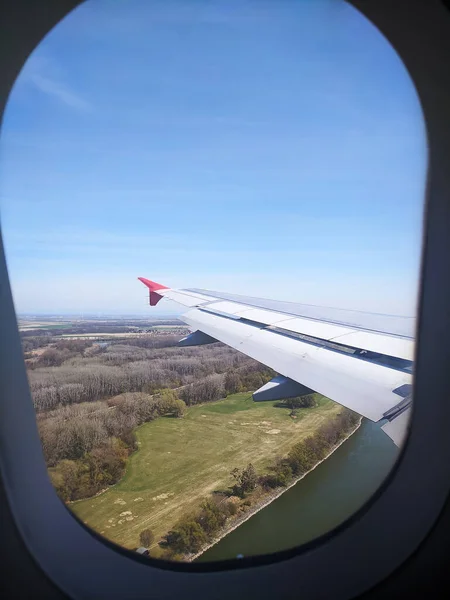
[{"x": 100, "y": 327}]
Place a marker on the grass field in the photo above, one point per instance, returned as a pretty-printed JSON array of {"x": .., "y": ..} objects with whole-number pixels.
[{"x": 181, "y": 461}]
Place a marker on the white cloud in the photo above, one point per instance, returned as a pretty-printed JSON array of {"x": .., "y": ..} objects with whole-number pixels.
[
  {"x": 60, "y": 91},
  {"x": 48, "y": 77}
]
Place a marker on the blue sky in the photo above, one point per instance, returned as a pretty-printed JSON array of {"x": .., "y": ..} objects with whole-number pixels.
[{"x": 268, "y": 148}]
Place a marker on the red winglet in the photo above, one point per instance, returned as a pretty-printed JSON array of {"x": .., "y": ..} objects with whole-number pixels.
[{"x": 153, "y": 286}]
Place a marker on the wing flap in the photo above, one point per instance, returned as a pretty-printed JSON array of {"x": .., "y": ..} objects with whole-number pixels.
[
  {"x": 398, "y": 428},
  {"x": 379, "y": 343},
  {"x": 325, "y": 331}
]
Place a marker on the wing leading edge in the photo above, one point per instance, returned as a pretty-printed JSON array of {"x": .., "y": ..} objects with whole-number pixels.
[{"x": 360, "y": 360}]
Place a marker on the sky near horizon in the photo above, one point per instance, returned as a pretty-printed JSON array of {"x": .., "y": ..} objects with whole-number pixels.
[{"x": 271, "y": 148}]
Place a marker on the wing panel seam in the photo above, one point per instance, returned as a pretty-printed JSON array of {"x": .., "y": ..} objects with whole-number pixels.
[{"x": 385, "y": 360}]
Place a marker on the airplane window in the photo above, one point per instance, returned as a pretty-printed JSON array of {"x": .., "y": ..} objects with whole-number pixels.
[{"x": 265, "y": 161}]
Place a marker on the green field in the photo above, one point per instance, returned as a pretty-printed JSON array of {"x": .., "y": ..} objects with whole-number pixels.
[{"x": 181, "y": 461}]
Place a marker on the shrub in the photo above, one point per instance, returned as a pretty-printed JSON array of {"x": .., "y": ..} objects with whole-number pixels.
[
  {"x": 246, "y": 480},
  {"x": 232, "y": 508},
  {"x": 307, "y": 401},
  {"x": 146, "y": 538},
  {"x": 232, "y": 382},
  {"x": 188, "y": 537},
  {"x": 212, "y": 517},
  {"x": 208, "y": 390}
]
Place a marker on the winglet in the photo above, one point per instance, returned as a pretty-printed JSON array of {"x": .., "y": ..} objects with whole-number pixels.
[{"x": 154, "y": 297}]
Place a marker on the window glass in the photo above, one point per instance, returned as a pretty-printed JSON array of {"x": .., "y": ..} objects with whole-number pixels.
[{"x": 271, "y": 149}]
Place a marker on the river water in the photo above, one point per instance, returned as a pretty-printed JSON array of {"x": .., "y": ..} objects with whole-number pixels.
[{"x": 317, "y": 503}]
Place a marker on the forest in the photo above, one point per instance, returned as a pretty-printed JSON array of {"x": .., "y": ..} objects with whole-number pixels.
[{"x": 90, "y": 397}]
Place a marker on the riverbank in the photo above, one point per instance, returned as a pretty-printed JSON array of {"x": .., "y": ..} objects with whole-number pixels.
[{"x": 268, "y": 498}]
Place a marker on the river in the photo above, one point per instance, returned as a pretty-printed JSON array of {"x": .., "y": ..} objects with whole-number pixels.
[{"x": 317, "y": 503}]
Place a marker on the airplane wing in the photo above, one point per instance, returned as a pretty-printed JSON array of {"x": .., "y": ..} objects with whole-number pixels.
[{"x": 361, "y": 360}]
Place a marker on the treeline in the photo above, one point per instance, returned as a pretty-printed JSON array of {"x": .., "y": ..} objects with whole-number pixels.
[
  {"x": 89, "y": 399},
  {"x": 306, "y": 401},
  {"x": 71, "y": 429},
  {"x": 209, "y": 389},
  {"x": 70, "y": 432},
  {"x": 247, "y": 377},
  {"x": 194, "y": 531},
  {"x": 62, "y": 351},
  {"x": 97, "y": 373},
  {"x": 36, "y": 334},
  {"x": 304, "y": 455},
  {"x": 153, "y": 341},
  {"x": 34, "y": 339},
  {"x": 197, "y": 529},
  {"x": 88, "y": 448},
  {"x": 100, "y": 468},
  {"x": 33, "y": 343},
  {"x": 120, "y": 353}
]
